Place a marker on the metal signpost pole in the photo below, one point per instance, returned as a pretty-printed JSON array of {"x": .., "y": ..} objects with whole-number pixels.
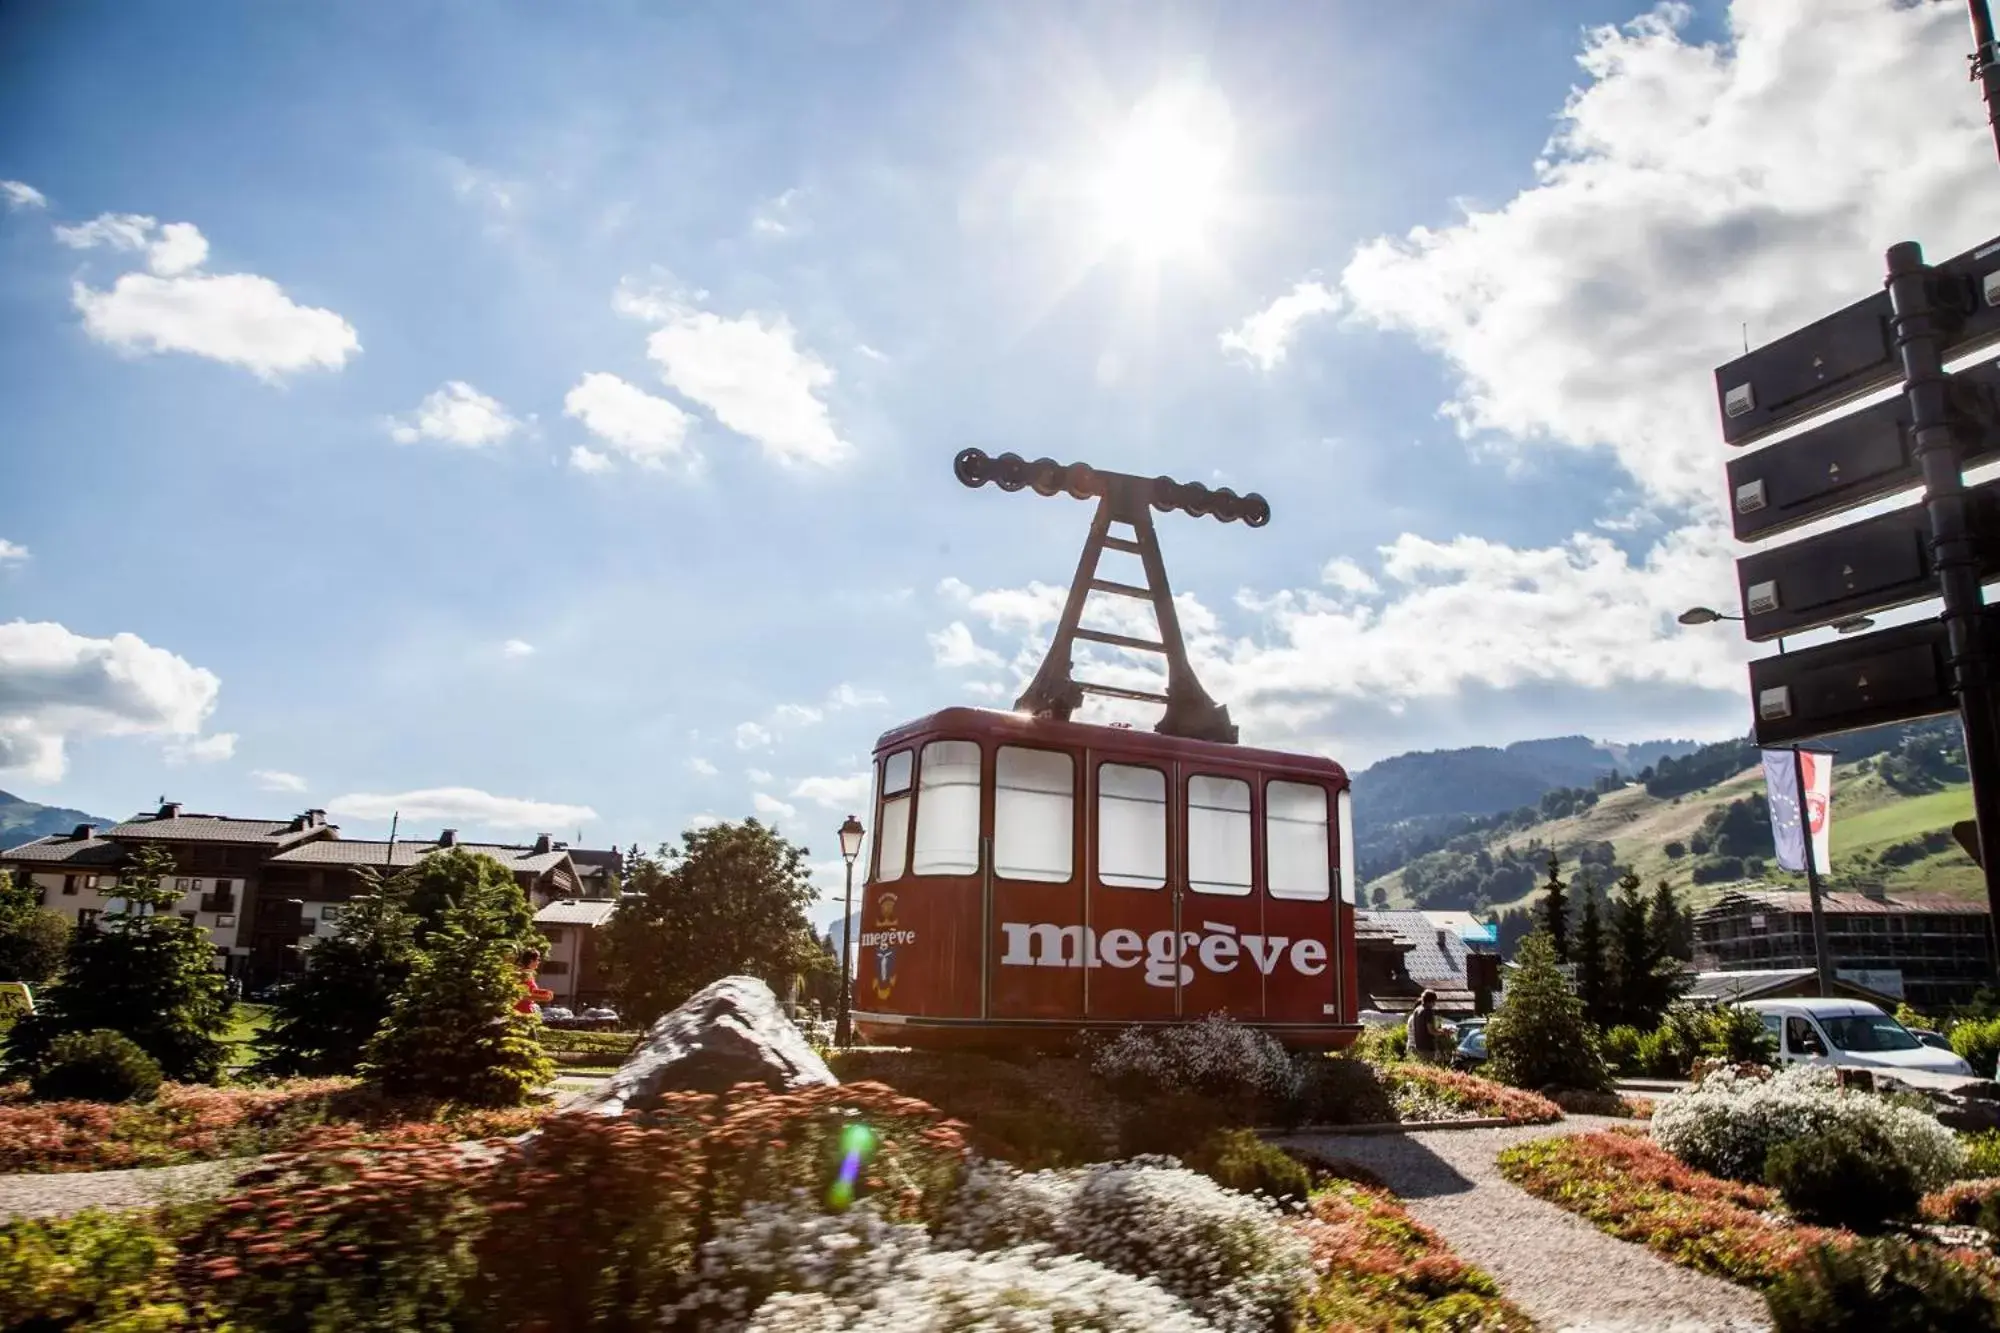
[
  {"x": 1986, "y": 63},
  {"x": 1920, "y": 338}
]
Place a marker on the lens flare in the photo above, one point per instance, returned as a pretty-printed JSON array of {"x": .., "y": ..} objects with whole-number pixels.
[{"x": 857, "y": 1149}]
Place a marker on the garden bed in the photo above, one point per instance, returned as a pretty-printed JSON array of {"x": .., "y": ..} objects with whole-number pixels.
[
  {"x": 1629, "y": 1186},
  {"x": 199, "y": 1123}
]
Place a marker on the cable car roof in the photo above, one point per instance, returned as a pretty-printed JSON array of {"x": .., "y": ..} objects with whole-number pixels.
[{"x": 990, "y": 723}]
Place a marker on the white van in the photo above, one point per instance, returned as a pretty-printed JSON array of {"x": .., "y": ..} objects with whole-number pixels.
[{"x": 1853, "y": 1033}]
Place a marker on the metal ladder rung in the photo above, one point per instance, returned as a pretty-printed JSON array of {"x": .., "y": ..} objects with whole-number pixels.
[
  {"x": 1120, "y": 692},
  {"x": 1121, "y": 640},
  {"x": 1122, "y": 589}
]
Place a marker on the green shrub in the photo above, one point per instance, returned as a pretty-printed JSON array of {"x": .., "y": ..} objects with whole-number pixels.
[
  {"x": 100, "y": 1066},
  {"x": 1982, "y": 1154},
  {"x": 1846, "y": 1175},
  {"x": 1661, "y": 1054},
  {"x": 1383, "y": 1045},
  {"x": 1739, "y": 1036},
  {"x": 94, "y": 1271},
  {"x": 1538, "y": 1037},
  {"x": 1237, "y": 1159},
  {"x": 1621, "y": 1049},
  {"x": 1978, "y": 1040},
  {"x": 1881, "y": 1286},
  {"x": 1340, "y": 1090},
  {"x": 1171, "y": 1124}
]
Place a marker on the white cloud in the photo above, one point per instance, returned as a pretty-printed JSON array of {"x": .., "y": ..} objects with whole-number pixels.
[
  {"x": 240, "y": 319},
  {"x": 56, "y": 685},
  {"x": 588, "y": 460},
  {"x": 703, "y": 821},
  {"x": 796, "y": 715},
  {"x": 1689, "y": 189},
  {"x": 11, "y": 552},
  {"x": 770, "y": 807},
  {"x": 517, "y": 648},
  {"x": 20, "y": 194},
  {"x": 1263, "y": 338},
  {"x": 954, "y": 646},
  {"x": 759, "y": 777},
  {"x": 749, "y": 371},
  {"x": 1345, "y": 575},
  {"x": 458, "y": 414},
  {"x": 848, "y": 793},
  {"x": 205, "y": 750},
  {"x": 476, "y": 808},
  {"x": 271, "y": 779},
  {"x": 954, "y": 589},
  {"x": 780, "y": 217},
  {"x": 701, "y": 767},
  {"x": 846, "y": 695},
  {"x": 647, "y": 430},
  {"x": 752, "y": 736}
]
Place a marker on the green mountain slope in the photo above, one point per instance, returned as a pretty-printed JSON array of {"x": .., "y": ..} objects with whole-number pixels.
[
  {"x": 1891, "y": 827},
  {"x": 24, "y": 821}
]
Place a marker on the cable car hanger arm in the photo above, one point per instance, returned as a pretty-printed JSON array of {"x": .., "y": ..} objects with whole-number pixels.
[{"x": 1121, "y": 498}]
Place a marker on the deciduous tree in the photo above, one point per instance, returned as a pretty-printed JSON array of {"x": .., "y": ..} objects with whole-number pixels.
[
  {"x": 730, "y": 900},
  {"x": 33, "y": 940}
]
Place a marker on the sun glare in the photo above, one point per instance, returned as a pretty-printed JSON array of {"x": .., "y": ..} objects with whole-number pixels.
[{"x": 1164, "y": 181}]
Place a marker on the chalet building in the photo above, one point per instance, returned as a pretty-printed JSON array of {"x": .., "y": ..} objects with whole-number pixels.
[
  {"x": 265, "y": 889},
  {"x": 572, "y": 927},
  {"x": 1400, "y": 955},
  {"x": 1933, "y": 951}
]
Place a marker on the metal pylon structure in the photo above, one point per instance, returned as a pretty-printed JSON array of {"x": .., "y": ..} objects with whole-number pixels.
[{"x": 1121, "y": 498}]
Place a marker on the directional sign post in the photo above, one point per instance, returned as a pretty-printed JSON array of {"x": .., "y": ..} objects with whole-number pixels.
[{"x": 1945, "y": 547}]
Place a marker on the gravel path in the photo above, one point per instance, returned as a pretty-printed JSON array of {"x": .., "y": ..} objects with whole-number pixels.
[{"x": 1559, "y": 1268}]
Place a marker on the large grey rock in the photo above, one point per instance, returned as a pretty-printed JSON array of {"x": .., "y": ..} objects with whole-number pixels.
[{"x": 727, "y": 1033}]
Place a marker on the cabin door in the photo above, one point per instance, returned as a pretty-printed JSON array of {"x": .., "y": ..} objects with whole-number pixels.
[
  {"x": 1133, "y": 892},
  {"x": 1038, "y": 945},
  {"x": 1229, "y": 957},
  {"x": 1300, "y": 905}
]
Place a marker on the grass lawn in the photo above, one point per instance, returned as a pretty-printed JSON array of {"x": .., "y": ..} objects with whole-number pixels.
[
  {"x": 245, "y": 1023},
  {"x": 1911, "y": 817}
]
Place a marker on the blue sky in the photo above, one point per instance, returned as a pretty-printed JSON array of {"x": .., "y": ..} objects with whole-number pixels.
[{"x": 554, "y": 433}]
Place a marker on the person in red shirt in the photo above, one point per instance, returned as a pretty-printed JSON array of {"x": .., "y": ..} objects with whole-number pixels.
[{"x": 533, "y": 995}]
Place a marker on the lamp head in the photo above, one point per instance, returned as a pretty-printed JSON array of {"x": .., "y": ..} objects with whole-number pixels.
[{"x": 850, "y": 839}]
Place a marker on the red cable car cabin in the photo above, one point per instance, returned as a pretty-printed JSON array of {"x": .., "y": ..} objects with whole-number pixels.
[{"x": 1033, "y": 876}]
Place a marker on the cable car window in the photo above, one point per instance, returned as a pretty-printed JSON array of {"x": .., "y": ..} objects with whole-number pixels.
[
  {"x": 1295, "y": 845},
  {"x": 1343, "y": 813},
  {"x": 1131, "y": 826},
  {"x": 892, "y": 837},
  {"x": 947, "y": 810},
  {"x": 1033, "y": 815},
  {"x": 1218, "y": 835}
]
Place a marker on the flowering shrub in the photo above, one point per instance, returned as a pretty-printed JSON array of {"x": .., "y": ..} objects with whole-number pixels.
[
  {"x": 1728, "y": 1123},
  {"x": 1433, "y": 1088},
  {"x": 1604, "y": 1103},
  {"x": 1885, "y": 1284},
  {"x": 1960, "y": 1204},
  {"x": 996, "y": 1206},
  {"x": 1634, "y": 1189},
  {"x": 795, "y": 1246},
  {"x": 197, "y": 1122},
  {"x": 1215, "y": 1056},
  {"x": 1378, "y": 1268}
]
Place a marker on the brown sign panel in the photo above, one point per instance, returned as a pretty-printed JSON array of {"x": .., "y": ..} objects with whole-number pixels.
[
  {"x": 1875, "y": 565},
  {"x": 1892, "y": 675},
  {"x": 1852, "y": 460},
  {"x": 1850, "y": 353}
]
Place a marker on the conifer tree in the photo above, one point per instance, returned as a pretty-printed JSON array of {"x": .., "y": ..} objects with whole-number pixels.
[
  {"x": 453, "y": 1031},
  {"x": 1555, "y": 910},
  {"x": 322, "y": 1023},
  {"x": 142, "y": 971},
  {"x": 1673, "y": 933},
  {"x": 1538, "y": 1037},
  {"x": 1588, "y": 953},
  {"x": 1646, "y": 980}
]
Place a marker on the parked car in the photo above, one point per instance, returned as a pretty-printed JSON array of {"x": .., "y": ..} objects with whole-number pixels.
[
  {"x": 1935, "y": 1040},
  {"x": 1851, "y": 1033},
  {"x": 1470, "y": 1052}
]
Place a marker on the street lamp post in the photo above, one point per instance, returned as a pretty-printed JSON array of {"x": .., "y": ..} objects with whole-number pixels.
[
  {"x": 850, "y": 847},
  {"x": 1822, "y": 952}
]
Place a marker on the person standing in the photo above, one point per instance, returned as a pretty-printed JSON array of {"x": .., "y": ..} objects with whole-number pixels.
[{"x": 1422, "y": 1030}]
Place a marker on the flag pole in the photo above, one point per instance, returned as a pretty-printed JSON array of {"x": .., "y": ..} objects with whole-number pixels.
[{"x": 1822, "y": 955}]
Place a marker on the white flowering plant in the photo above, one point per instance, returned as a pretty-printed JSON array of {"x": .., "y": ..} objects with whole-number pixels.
[
  {"x": 1215, "y": 1055},
  {"x": 1728, "y": 1123}
]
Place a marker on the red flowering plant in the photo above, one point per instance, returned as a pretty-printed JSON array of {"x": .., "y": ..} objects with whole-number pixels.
[
  {"x": 1381, "y": 1269},
  {"x": 1960, "y": 1204},
  {"x": 1475, "y": 1096}
]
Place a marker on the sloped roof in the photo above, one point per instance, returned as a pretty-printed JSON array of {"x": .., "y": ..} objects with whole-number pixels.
[
  {"x": 406, "y": 853},
  {"x": 1754, "y": 983},
  {"x": 1843, "y": 902},
  {"x": 577, "y": 912},
  {"x": 1428, "y": 960},
  {"x": 61, "y": 849},
  {"x": 213, "y": 828}
]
